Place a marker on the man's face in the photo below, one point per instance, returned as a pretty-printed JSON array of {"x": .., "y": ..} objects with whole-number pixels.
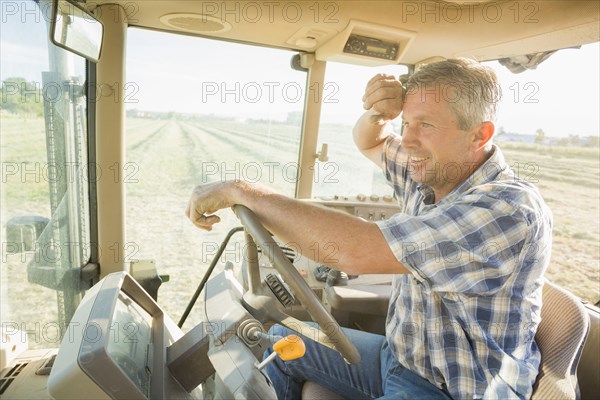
[{"x": 439, "y": 153}]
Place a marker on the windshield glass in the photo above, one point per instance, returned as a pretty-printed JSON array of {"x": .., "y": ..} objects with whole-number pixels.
[
  {"x": 45, "y": 193},
  {"x": 347, "y": 173},
  {"x": 231, "y": 111},
  {"x": 548, "y": 128}
]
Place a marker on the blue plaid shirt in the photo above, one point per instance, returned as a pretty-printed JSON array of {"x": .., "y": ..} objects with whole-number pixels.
[{"x": 466, "y": 316}]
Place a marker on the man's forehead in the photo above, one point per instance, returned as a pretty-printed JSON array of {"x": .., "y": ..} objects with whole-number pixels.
[
  {"x": 426, "y": 100},
  {"x": 432, "y": 93},
  {"x": 428, "y": 105}
]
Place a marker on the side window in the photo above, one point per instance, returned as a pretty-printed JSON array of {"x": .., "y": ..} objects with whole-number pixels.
[
  {"x": 201, "y": 111},
  {"x": 547, "y": 128},
  {"x": 347, "y": 173},
  {"x": 45, "y": 195}
]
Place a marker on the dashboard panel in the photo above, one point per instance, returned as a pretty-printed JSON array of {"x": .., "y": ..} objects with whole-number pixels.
[{"x": 371, "y": 207}]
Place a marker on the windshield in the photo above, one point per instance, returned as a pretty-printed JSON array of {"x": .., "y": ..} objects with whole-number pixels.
[
  {"x": 548, "y": 129},
  {"x": 231, "y": 111},
  {"x": 347, "y": 173},
  {"x": 45, "y": 186}
]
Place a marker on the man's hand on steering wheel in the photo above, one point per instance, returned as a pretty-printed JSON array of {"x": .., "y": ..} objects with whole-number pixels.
[{"x": 207, "y": 199}]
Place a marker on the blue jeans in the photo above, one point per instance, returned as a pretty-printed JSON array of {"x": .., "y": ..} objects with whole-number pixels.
[{"x": 378, "y": 375}]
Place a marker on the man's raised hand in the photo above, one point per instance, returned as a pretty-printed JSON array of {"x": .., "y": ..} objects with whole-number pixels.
[{"x": 384, "y": 95}]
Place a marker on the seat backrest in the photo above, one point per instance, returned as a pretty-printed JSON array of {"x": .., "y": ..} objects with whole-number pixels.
[{"x": 560, "y": 338}]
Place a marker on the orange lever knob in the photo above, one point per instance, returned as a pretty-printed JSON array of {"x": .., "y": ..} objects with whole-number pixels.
[{"x": 290, "y": 347}]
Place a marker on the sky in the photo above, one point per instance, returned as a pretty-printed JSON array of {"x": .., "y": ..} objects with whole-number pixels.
[
  {"x": 168, "y": 72},
  {"x": 562, "y": 96}
]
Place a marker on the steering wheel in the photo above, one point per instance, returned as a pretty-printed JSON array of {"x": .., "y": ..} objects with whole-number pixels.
[{"x": 331, "y": 334}]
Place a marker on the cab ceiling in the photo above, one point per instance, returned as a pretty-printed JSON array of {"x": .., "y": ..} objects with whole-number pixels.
[{"x": 481, "y": 29}]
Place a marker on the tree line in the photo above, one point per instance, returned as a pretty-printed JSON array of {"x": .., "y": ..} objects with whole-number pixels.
[{"x": 18, "y": 96}]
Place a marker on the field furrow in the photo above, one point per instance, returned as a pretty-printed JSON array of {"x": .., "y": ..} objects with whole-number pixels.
[
  {"x": 198, "y": 152},
  {"x": 238, "y": 157},
  {"x": 269, "y": 137},
  {"x": 146, "y": 139}
]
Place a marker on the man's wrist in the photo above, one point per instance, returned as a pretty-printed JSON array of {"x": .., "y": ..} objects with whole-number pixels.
[
  {"x": 375, "y": 119},
  {"x": 236, "y": 191}
]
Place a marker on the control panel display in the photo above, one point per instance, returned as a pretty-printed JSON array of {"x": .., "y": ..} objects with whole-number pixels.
[
  {"x": 371, "y": 47},
  {"x": 130, "y": 340},
  {"x": 115, "y": 354}
]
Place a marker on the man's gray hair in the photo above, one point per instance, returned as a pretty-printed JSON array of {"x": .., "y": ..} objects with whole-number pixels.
[{"x": 471, "y": 90}]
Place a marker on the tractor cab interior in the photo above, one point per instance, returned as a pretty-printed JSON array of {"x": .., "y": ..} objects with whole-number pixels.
[{"x": 108, "y": 292}]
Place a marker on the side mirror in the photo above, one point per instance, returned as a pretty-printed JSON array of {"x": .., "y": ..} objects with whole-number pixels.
[{"x": 76, "y": 30}]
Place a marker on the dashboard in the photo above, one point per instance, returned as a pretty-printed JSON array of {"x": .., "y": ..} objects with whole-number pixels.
[
  {"x": 368, "y": 207},
  {"x": 372, "y": 208}
]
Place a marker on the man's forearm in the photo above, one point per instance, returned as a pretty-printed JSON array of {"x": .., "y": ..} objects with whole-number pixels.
[
  {"x": 327, "y": 236},
  {"x": 369, "y": 136},
  {"x": 369, "y": 132}
]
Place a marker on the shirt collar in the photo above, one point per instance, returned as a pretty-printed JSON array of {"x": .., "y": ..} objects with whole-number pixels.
[{"x": 487, "y": 172}]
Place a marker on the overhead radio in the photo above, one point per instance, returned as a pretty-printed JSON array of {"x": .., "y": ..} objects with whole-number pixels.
[{"x": 371, "y": 47}]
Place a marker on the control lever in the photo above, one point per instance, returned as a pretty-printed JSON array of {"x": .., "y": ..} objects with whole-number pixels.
[
  {"x": 336, "y": 278},
  {"x": 288, "y": 348},
  {"x": 332, "y": 277}
]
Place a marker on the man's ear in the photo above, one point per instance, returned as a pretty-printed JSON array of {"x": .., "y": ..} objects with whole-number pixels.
[{"x": 482, "y": 135}]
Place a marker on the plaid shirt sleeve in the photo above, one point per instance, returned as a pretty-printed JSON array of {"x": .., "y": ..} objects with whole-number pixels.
[
  {"x": 394, "y": 170},
  {"x": 472, "y": 245}
]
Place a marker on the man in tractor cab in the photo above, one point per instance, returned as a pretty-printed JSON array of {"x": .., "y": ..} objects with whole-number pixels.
[{"x": 468, "y": 248}]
